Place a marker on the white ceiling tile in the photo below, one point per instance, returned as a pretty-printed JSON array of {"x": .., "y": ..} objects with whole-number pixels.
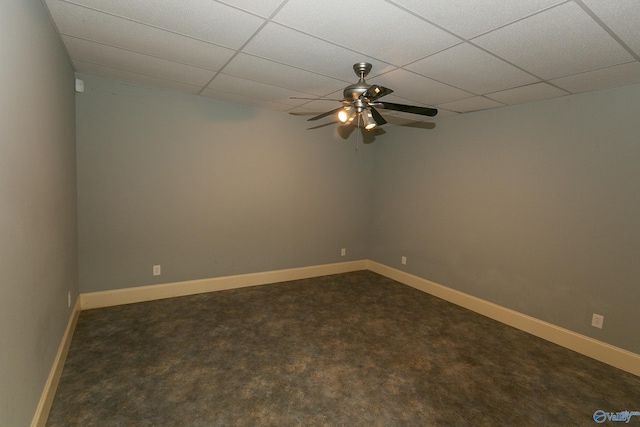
[
  {"x": 469, "y": 68},
  {"x": 405, "y": 39},
  {"x": 127, "y": 76},
  {"x": 320, "y": 106},
  {"x": 561, "y": 41},
  {"x": 290, "y": 47},
  {"x": 621, "y": 16},
  {"x": 572, "y": 45},
  {"x": 206, "y": 20},
  {"x": 99, "y": 54},
  {"x": 252, "y": 89},
  {"x": 470, "y": 18},
  {"x": 619, "y": 75},
  {"x": 420, "y": 89},
  {"x": 103, "y": 28},
  {"x": 471, "y": 104},
  {"x": 245, "y": 100},
  {"x": 262, "y": 8},
  {"x": 529, "y": 93},
  {"x": 276, "y": 74}
]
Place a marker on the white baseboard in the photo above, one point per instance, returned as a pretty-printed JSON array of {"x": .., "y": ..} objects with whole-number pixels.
[
  {"x": 177, "y": 289},
  {"x": 49, "y": 392},
  {"x": 582, "y": 344}
]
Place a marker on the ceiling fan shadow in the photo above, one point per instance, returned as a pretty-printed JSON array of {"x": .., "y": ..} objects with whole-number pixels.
[
  {"x": 416, "y": 124},
  {"x": 323, "y": 125},
  {"x": 345, "y": 131},
  {"x": 302, "y": 113},
  {"x": 368, "y": 136}
]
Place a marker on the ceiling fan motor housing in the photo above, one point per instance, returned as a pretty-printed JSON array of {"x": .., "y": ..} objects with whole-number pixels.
[{"x": 354, "y": 91}]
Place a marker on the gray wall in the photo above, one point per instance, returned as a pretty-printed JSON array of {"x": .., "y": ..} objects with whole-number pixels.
[
  {"x": 533, "y": 207},
  {"x": 207, "y": 188},
  {"x": 38, "y": 244}
]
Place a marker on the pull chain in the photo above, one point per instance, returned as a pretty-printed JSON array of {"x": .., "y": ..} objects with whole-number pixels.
[{"x": 358, "y": 132}]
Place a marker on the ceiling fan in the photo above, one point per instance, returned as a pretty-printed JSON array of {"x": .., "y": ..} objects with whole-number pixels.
[{"x": 361, "y": 99}]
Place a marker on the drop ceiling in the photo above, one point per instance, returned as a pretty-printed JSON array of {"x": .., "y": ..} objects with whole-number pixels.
[{"x": 455, "y": 55}]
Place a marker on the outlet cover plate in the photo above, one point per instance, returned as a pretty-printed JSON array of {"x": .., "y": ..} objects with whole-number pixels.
[{"x": 597, "y": 320}]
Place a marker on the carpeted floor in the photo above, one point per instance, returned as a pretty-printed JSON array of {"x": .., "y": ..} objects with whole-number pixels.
[{"x": 353, "y": 349}]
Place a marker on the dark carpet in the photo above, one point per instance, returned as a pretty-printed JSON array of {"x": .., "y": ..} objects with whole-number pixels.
[{"x": 353, "y": 349}]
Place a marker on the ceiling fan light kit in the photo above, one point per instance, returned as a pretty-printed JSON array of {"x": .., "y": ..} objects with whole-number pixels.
[
  {"x": 347, "y": 114},
  {"x": 367, "y": 118},
  {"x": 361, "y": 99}
]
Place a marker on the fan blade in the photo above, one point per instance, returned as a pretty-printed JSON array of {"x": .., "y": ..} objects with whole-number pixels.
[
  {"x": 424, "y": 111},
  {"x": 374, "y": 92},
  {"x": 328, "y": 113},
  {"x": 377, "y": 117}
]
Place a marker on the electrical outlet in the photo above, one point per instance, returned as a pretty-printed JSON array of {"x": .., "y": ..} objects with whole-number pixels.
[
  {"x": 69, "y": 299},
  {"x": 156, "y": 270},
  {"x": 404, "y": 260},
  {"x": 597, "y": 321},
  {"x": 343, "y": 251}
]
